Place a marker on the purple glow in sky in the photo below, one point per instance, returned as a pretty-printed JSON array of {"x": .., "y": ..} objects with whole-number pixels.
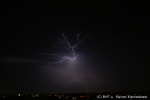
[{"x": 66, "y": 45}]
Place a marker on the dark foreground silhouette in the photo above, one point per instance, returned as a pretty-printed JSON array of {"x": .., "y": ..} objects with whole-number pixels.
[{"x": 77, "y": 96}]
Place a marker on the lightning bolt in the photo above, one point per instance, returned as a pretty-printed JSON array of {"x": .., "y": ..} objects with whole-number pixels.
[{"x": 57, "y": 59}]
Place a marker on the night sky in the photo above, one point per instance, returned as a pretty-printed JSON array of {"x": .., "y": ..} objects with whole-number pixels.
[{"x": 116, "y": 52}]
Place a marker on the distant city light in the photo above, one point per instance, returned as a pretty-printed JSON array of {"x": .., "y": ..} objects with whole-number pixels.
[
  {"x": 18, "y": 94},
  {"x": 37, "y": 95},
  {"x": 70, "y": 96},
  {"x": 66, "y": 97},
  {"x": 81, "y": 96},
  {"x": 74, "y": 98}
]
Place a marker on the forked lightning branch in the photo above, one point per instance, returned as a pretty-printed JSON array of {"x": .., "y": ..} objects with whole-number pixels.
[{"x": 64, "y": 43}]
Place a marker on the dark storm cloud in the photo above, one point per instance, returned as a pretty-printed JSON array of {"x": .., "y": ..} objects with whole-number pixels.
[{"x": 18, "y": 60}]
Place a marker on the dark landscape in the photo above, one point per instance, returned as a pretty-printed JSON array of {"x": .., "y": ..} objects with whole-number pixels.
[{"x": 76, "y": 96}]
